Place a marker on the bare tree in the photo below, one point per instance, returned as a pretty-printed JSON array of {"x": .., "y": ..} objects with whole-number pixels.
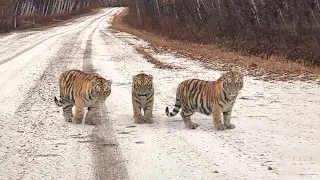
[{"x": 279, "y": 26}]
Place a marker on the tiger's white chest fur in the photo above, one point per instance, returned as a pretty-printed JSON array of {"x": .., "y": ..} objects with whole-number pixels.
[
  {"x": 227, "y": 103},
  {"x": 92, "y": 103},
  {"x": 143, "y": 101}
]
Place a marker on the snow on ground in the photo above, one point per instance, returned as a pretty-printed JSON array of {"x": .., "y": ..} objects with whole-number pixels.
[{"x": 277, "y": 123}]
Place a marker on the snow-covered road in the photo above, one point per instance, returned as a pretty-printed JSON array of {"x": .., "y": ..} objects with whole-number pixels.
[{"x": 277, "y": 124}]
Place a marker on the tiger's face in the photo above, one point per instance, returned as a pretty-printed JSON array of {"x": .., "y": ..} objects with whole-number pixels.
[
  {"x": 100, "y": 88},
  {"x": 232, "y": 82},
  {"x": 142, "y": 84}
]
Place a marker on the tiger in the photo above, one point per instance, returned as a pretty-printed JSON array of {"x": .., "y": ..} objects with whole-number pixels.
[
  {"x": 208, "y": 97},
  {"x": 81, "y": 90},
  {"x": 142, "y": 98}
]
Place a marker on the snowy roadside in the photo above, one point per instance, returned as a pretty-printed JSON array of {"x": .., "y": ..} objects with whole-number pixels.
[
  {"x": 35, "y": 141},
  {"x": 277, "y": 123}
]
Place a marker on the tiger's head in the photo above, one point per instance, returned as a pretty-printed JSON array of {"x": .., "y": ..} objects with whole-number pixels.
[
  {"x": 100, "y": 88},
  {"x": 232, "y": 82},
  {"x": 142, "y": 84}
]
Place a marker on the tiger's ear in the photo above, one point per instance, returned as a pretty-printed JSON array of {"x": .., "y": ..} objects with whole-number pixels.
[
  {"x": 223, "y": 76},
  {"x": 109, "y": 82},
  {"x": 150, "y": 77},
  {"x": 241, "y": 74},
  {"x": 93, "y": 82}
]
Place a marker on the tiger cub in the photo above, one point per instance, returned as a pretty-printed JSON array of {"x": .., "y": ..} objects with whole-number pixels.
[
  {"x": 208, "y": 97},
  {"x": 142, "y": 97},
  {"x": 81, "y": 90}
]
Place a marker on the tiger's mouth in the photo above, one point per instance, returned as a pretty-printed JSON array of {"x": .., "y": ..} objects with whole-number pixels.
[
  {"x": 233, "y": 94},
  {"x": 102, "y": 98},
  {"x": 144, "y": 94}
]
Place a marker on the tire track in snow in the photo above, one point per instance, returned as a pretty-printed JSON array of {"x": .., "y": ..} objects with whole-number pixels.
[
  {"x": 39, "y": 130},
  {"x": 38, "y": 95},
  {"x": 108, "y": 161},
  {"x": 46, "y": 39},
  {"x": 42, "y": 41}
]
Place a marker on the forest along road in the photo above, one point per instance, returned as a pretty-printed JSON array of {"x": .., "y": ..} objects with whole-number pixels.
[{"x": 277, "y": 123}]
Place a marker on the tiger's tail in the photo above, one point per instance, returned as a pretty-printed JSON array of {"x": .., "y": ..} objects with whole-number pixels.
[
  {"x": 59, "y": 103},
  {"x": 176, "y": 108}
]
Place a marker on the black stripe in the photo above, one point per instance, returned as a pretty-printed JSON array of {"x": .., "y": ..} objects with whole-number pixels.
[
  {"x": 194, "y": 88},
  {"x": 199, "y": 95},
  {"x": 176, "y": 111},
  {"x": 203, "y": 106},
  {"x": 150, "y": 97},
  {"x": 189, "y": 87},
  {"x": 193, "y": 94},
  {"x": 227, "y": 113},
  {"x": 208, "y": 99},
  {"x": 186, "y": 109},
  {"x": 90, "y": 95},
  {"x": 202, "y": 95},
  {"x": 67, "y": 107},
  {"x": 209, "y": 107},
  {"x": 225, "y": 95},
  {"x": 188, "y": 113},
  {"x": 136, "y": 96},
  {"x": 222, "y": 99}
]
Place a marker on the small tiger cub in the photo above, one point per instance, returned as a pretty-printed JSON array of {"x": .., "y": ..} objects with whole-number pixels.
[
  {"x": 81, "y": 90},
  {"x": 208, "y": 97},
  {"x": 142, "y": 97}
]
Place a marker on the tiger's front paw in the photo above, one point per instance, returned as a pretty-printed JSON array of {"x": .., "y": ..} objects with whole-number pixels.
[
  {"x": 192, "y": 125},
  {"x": 221, "y": 127},
  {"x": 138, "y": 120},
  {"x": 149, "y": 120},
  {"x": 77, "y": 120},
  {"x": 89, "y": 121},
  {"x": 231, "y": 126},
  {"x": 91, "y": 118},
  {"x": 68, "y": 119}
]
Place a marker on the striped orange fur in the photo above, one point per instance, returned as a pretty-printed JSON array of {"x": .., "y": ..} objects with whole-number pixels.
[
  {"x": 142, "y": 97},
  {"x": 208, "y": 97},
  {"x": 81, "y": 90}
]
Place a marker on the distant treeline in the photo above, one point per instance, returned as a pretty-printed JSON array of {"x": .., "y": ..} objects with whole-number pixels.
[
  {"x": 21, "y": 13},
  {"x": 289, "y": 28},
  {"x": 115, "y": 3}
]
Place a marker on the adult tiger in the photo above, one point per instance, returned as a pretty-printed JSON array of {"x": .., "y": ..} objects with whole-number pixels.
[
  {"x": 142, "y": 97},
  {"x": 208, "y": 97},
  {"x": 81, "y": 90}
]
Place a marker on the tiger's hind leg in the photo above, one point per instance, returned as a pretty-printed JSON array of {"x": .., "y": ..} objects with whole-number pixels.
[
  {"x": 79, "y": 111},
  {"x": 67, "y": 113},
  {"x": 186, "y": 117},
  {"x": 92, "y": 115}
]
